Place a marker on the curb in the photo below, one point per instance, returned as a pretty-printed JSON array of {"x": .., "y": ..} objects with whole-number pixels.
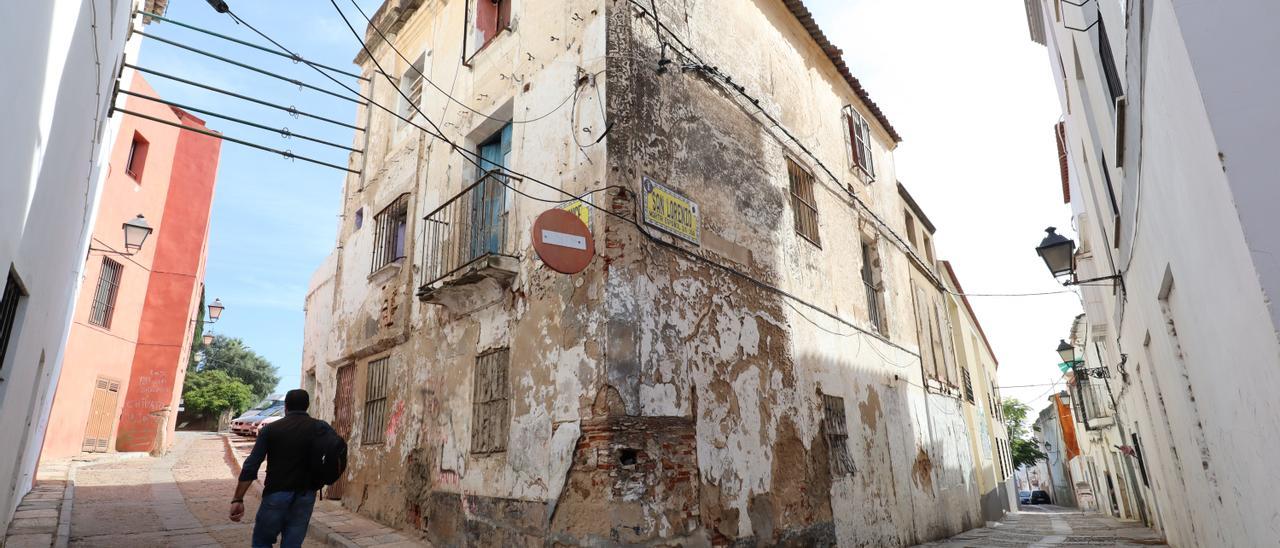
[
  {"x": 315, "y": 531},
  {"x": 63, "y": 537}
]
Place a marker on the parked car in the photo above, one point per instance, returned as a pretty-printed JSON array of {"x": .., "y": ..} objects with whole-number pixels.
[
  {"x": 1024, "y": 497},
  {"x": 1040, "y": 497},
  {"x": 275, "y": 415},
  {"x": 246, "y": 426},
  {"x": 275, "y": 400}
]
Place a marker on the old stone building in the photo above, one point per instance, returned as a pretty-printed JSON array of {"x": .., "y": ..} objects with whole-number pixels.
[{"x": 741, "y": 362}]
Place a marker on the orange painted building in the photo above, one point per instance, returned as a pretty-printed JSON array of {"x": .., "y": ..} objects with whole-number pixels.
[{"x": 131, "y": 333}]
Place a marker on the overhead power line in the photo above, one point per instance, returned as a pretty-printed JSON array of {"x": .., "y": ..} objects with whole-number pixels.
[
  {"x": 291, "y": 110},
  {"x": 264, "y": 72},
  {"x": 284, "y": 132},
  {"x": 293, "y": 58},
  {"x": 286, "y": 153}
]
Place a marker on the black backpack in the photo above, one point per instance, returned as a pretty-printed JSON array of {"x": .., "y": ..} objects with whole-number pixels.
[{"x": 328, "y": 456}]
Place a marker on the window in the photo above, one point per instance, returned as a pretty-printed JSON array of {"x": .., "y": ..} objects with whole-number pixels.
[
  {"x": 137, "y": 156},
  {"x": 9, "y": 301},
  {"x": 837, "y": 436},
  {"x": 928, "y": 248},
  {"x": 411, "y": 86},
  {"x": 1108, "y": 61},
  {"x": 967, "y": 384},
  {"x": 910, "y": 223},
  {"x": 492, "y": 17},
  {"x": 860, "y": 154},
  {"x": 359, "y": 218},
  {"x": 490, "y": 420},
  {"x": 803, "y": 203},
  {"x": 871, "y": 280},
  {"x": 104, "y": 298},
  {"x": 376, "y": 386},
  {"x": 389, "y": 238}
]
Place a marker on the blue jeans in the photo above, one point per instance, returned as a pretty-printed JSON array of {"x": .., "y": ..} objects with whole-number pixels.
[{"x": 283, "y": 514}]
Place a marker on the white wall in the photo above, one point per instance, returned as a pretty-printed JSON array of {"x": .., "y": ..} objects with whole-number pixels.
[{"x": 59, "y": 72}]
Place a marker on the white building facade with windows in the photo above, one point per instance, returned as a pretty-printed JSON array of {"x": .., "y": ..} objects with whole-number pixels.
[
  {"x": 1170, "y": 132},
  {"x": 60, "y": 62}
]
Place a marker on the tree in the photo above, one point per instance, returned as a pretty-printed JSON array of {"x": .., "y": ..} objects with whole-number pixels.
[
  {"x": 212, "y": 392},
  {"x": 231, "y": 356},
  {"x": 1024, "y": 450}
]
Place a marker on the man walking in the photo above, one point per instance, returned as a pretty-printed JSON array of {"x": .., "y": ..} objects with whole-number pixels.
[{"x": 289, "y": 492}]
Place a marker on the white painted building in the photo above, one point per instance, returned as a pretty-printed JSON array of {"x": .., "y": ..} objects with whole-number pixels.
[
  {"x": 60, "y": 60},
  {"x": 1170, "y": 133}
]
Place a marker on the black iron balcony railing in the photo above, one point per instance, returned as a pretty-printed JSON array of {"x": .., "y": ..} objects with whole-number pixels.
[{"x": 468, "y": 235}]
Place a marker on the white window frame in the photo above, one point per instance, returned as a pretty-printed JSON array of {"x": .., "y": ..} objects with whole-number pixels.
[{"x": 859, "y": 138}]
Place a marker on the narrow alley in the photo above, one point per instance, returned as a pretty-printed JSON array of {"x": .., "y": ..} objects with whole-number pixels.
[{"x": 1048, "y": 525}]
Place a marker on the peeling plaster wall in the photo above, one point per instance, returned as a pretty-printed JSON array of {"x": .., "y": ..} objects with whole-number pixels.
[{"x": 653, "y": 397}]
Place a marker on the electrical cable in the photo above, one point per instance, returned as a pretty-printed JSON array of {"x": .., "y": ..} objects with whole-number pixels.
[
  {"x": 293, "y": 58},
  {"x": 411, "y": 65},
  {"x": 284, "y": 132},
  {"x": 286, "y": 153},
  {"x": 293, "y": 81},
  {"x": 291, "y": 110}
]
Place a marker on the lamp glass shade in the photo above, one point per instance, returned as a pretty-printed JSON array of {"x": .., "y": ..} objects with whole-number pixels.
[
  {"x": 1058, "y": 253},
  {"x": 207, "y": 339},
  {"x": 136, "y": 232},
  {"x": 215, "y": 310},
  {"x": 1067, "y": 351}
]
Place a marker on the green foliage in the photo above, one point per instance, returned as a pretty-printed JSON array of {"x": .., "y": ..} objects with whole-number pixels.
[
  {"x": 1025, "y": 451},
  {"x": 231, "y": 356},
  {"x": 197, "y": 338},
  {"x": 211, "y": 392}
]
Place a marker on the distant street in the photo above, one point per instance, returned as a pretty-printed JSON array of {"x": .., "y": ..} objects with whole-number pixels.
[{"x": 1048, "y": 525}]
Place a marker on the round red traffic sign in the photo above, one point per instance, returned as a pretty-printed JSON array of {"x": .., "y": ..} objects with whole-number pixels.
[{"x": 562, "y": 241}]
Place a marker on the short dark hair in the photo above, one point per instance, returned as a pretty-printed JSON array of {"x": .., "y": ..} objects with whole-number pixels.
[{"x": 297, "y": 400}]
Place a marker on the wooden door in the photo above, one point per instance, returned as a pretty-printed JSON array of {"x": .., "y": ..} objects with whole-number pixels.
[
  {"x": 102, "y": 414},
  {"x": 343, "y": 416}
]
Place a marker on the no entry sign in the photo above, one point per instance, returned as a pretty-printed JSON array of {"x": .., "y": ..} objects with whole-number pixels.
[{"x": 562, "y": 242}]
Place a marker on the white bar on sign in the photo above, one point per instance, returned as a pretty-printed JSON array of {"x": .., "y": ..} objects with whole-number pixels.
[{"x": 563, "y": 240}]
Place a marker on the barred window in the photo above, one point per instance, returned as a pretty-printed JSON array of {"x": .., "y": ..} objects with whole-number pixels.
[
  {"x": 871, "y": 276},
  {"x": 967, "y": 383},
  {"x": 490, "y": 420},
  {"x": 837, "y": 436},
  {"x": 104, "y": 298},
  {"x": 803, "y": 203},
  {"x": 389, "y": 236},
  {"x": 376, "y": 387},
  {"x": 13, "y": 294}
]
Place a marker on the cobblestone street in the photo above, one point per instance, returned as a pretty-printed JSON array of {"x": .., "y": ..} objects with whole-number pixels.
[
  {"x": 1046, "y": 525},
  {"x": 176, "y": 500}
]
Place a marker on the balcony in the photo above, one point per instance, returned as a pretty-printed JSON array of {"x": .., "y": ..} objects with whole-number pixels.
[{"x": 468, "y": 240}]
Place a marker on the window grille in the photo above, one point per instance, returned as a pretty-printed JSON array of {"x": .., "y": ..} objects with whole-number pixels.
[
  {"x": 490, "y": 420},
  {"x": 104, "y": 298},
  {"x": 389, "y": 237},
  {"x": 837, "y": 435},
  {"x": 411, "y": 86},
  {"x": 376, "y": 387},
  {"x": 968, "y": 384},
  {"x": 803, "y": 203},
  {"x": 13, "y": 294},
  {"x": 875, "y": 308},
  {"x": 1107, "y": 56}
]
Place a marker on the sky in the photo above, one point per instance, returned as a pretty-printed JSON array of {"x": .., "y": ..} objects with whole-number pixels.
[{"x": 970, "y": 93}]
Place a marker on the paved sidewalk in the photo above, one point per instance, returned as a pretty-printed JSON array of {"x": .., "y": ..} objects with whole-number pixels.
[
  {"x": 332, "y": 523},
  {"x": 1046, "y": 525}
]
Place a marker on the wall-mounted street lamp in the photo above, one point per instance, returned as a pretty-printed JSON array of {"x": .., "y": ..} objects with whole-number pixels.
[
  {"x": 207, "y": 339},
  {"x": 136, "y": 232},
  {"x": 215, "y": 310},
  {"x": 1067, "y": 352},
  {"x": 1058, "y": 253}
]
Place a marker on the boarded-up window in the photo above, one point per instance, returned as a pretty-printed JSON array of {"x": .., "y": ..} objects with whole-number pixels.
[
  {"x": 803, "y": 203},
  {"x": 104, "y": 298},
  {"x": 490, "y": 420},
  {"x": 377, "y": 384},
  {"x": 837, "y": 436},
  {"x": 389, "y": 236}
]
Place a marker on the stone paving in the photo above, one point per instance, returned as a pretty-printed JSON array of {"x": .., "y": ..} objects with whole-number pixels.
[{"x": 1046, "y": 525}]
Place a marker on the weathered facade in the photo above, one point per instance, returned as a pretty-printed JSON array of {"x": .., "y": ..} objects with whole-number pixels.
[{"x": 756, "y": 380}]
